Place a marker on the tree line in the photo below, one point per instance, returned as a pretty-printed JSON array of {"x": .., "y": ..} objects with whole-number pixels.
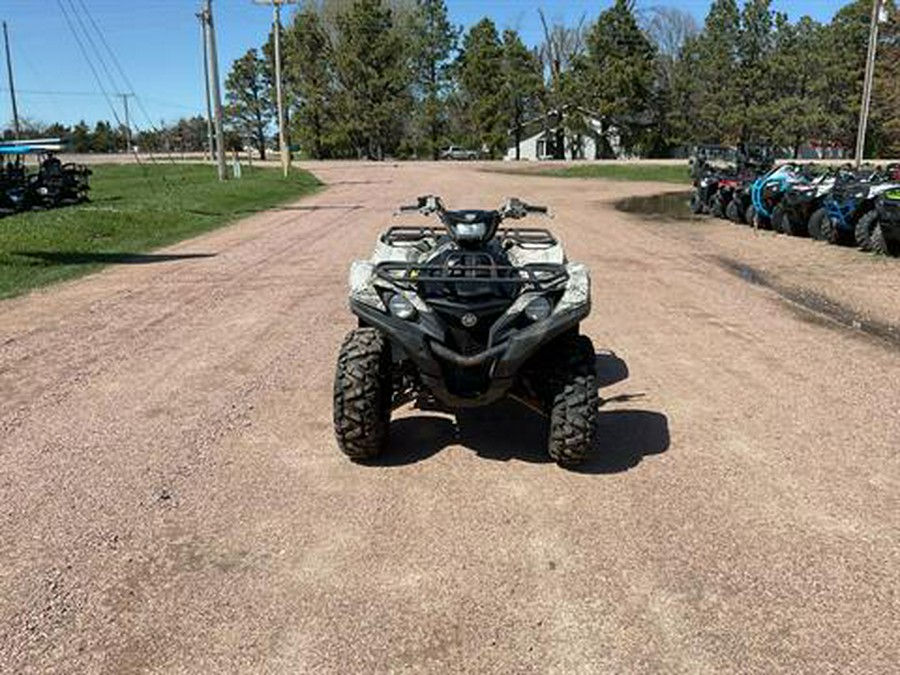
[
  {"x": 377, "y": 78},
  {"x": 369, "y": 78}
]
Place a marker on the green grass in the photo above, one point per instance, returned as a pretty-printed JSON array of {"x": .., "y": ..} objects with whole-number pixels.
[
  {"x": 663, "y": 173},
  {"x": 133, "y": 210}
]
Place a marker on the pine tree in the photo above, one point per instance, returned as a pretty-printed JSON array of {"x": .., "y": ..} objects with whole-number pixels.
[
  {"x": 434, "y": 40},
  {"x": 372, "y": 69},
  {"x": 617, "y": 72},
  {"x": 707, "y": 76},
  {"x": 796, "y": 65},
  {"x": 308, "y": 71},
  {"x": 249, "y": 106},
  {"x": 480, "y": 72}
]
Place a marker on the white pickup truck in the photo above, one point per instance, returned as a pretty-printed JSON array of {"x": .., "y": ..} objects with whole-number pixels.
[{"x": 456, "y": 152}]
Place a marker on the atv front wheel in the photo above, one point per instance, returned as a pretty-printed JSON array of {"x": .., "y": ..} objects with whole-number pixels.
[
  {"x": 362, "y": 394},
  {"x": 815, "y": 224},
  {"x": 865, "y": 226},
  {"x": 573, "y": 402}
]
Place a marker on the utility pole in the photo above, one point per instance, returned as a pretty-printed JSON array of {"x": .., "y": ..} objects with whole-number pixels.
[
  {"x": 12, "y": 86},
  {"x": 867, "y": 85},
  {"x": 209, "y": 130},
  {"x": 125, "y": 98},
  {"x": 276, "y": 28},
  {"x": 214, "y": 85}
]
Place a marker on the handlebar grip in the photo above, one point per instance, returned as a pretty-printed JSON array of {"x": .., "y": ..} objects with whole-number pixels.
[
  {"x": 409, "y": 207},
  {"x": 536, "y": 209}
]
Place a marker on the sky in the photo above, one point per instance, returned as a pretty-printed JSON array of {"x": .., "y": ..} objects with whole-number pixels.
[{"x": 157, "y": 44}]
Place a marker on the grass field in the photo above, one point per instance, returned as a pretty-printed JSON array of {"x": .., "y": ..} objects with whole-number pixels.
[
  {"x": 133, "y": 209},
  {"x": 663, "y": 173}
]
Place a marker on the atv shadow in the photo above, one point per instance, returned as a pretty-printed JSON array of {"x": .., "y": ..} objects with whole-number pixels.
[{"x": 508, "y": 430}]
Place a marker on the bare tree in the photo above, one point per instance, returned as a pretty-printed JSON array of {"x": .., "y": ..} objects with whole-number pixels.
[
  {"x": 562, "y": 45},
  {"x": 668, "y": 28}
]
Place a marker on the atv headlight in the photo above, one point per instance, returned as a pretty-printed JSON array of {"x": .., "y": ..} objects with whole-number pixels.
[
  {"x": 470, "y": 231},
  {"x": 402, "y": 308},
  {"x": 538, "y": 309}
]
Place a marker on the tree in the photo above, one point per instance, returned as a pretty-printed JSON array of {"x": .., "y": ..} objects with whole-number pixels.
[
  {"x": 248, "y": 102},
  {"x": 522, "y": 84},
  {"x": 480, "y": 73},
  {"x": 884, "y": 141},
  {"x": 704, "y": 79},
  {"x": 102, "y": 138},
  {"x": 616, "y": 74},
  {"x": 797, "y": 65},
  {"x": 756, "y": 88},
  {"x": 434, "y": 42},
  {"x": 308, "y": 70},
  {"x": 561, "y": 50},
  {"x": 372, "y": 70}
]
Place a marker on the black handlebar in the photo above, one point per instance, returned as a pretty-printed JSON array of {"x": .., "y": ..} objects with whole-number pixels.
[{"x": 513, "y": 208}]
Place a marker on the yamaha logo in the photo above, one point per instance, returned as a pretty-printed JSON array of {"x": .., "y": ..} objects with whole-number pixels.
[{"x": 468, "y": 320}]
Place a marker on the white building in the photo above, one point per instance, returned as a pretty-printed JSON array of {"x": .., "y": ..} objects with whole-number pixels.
[{"x": 538, "y": 138}]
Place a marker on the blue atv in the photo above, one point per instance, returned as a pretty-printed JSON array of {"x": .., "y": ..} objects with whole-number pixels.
[
  {"x": 851, "y": 199},
  {"x": 766, "y": 194}
]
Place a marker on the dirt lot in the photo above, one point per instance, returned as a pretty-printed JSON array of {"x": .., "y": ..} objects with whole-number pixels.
[{"x": 173, "y": 500}]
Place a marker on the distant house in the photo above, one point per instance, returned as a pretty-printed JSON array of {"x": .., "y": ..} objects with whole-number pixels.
[{"x": 546, "y": 137}]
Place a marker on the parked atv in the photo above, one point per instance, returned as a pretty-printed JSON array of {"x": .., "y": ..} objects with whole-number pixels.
[
  {"x": 882, "y": 224},
  {"x": 794, "y": 214},
  {"x": 706, "y": 185},
  {"x": 879, "y": 207},
  {"x": 766, "y": 193},
  {"x": 721, "y": 201},
  {"x": 853, "y": 197},
  {"x": 57, "y": 184},
  {"x": 466, "y": 314},
  {"x": 753, "y": 161}
]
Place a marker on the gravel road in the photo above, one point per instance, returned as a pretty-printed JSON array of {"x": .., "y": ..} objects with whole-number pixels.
[{"x": 172, "y": 499}]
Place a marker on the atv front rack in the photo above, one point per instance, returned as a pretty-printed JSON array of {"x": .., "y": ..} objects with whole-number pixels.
[
  {"x": 527, "y": 237},
  {"x": 539, "y": 276}
]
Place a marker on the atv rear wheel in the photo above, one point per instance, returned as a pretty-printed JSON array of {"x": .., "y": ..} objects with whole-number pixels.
[
  {"x": 696, "y": 204},
  {"x": 779, "y": 220},
  {"x": 733, "y": 212},
  {"x": 717, "y": 208},
  {"x": 830, "y": 232},
  {"x": 572, "y": 401},
  {"x": 792, "y": 226},
  {"x": 814, "y": 227},
  {"x": 878, "y": 244},
  {"x": 864, "y": 228},
  {"x": 362, "y": 394},
  {"x": 750, "y": 215}
]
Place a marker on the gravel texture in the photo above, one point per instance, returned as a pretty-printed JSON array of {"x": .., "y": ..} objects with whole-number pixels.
[{"x": 172, "y": 499}]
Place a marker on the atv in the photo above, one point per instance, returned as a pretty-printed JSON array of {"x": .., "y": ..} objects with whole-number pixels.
[
  {"x": 879, "y": 212},
  {"x": 766, "y": 193},
  {"x": 847, "y": 208},
  {"x": 706, "y": 185},
  {"x": 463, "y": 315},
  {"x": 882, "y": 224},
  {"x": 795, "y": 213},
  {"x": 57, "y": 184}
]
